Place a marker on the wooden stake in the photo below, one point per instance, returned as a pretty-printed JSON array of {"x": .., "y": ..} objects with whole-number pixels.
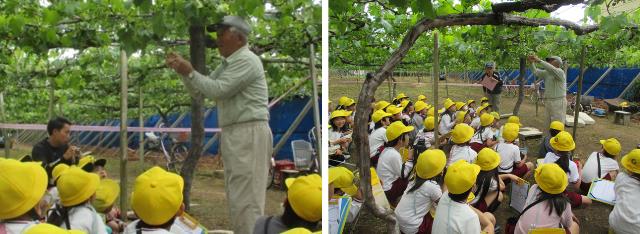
[
  {"x": 123, "y": 132},
  {"x": 577, "y": 109},
  {"x": 436, "y": 72}
]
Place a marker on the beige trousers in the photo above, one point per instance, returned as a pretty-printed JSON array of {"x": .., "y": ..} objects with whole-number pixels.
[
  {"x": 556, "y": 110},
  {"x": 246, "y": 150}
]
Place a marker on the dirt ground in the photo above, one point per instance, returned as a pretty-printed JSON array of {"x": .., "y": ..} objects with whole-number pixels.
[
  {"x": 208, "y": 200},
  {"x": 593, "y": 219}
]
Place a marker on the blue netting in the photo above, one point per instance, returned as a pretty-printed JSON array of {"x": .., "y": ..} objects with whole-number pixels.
[{"x": 282, "y": 115}]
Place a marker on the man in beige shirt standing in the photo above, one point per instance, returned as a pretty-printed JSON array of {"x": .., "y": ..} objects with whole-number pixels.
[
  {"x": 239, "y": 87},
  {"x": 555, "y": 83}
]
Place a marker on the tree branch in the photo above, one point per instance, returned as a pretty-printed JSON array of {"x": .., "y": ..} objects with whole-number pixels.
[{"x": 521, "y": 6}]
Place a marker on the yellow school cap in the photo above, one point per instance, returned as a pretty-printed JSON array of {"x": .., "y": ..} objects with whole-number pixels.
[
  {"x": 76, "y": 186},
  {"x": 461, "y": 133},
  {"x": 342, "y": 178},
  {"x": 461, "y": 176},
  {"x": 551, "y": 178},
  {"x": 305, "y": 196},
  {"x": 157, "y": 196},
  {"x": 488, "y": 159},
  {"x": 563, "y": 142},
  {"x": 612, "y": 146},
  {"x": 22, "y": 185},
  {"x": 106, "y": 195},
  {"x": 430, "y": 163},
  {"x": 397, "y": 128}
]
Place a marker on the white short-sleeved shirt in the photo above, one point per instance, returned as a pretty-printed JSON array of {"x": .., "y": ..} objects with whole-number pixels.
[
  {"x": 446, "y": 124},
  {"x": 18, "y": 227},
  {"x": 413, "y": 206},
  {"x": 462, "y": 152},
  {"x": 487, "y": 133},
  {"x": 390, "y": 166},
  {"x": 455, "y": 217},
  {"x": 377, "y": 138},
  {"x": 573, "y": 174},
  {"x": 509, "y": 154},
  {"x": 625, "y": 216},
  {"x": 427, "y": 136},
  {"x": 475, "y": 123},
  {"x": 85, "y": 218},
  {"x": 590, "y": 169}
]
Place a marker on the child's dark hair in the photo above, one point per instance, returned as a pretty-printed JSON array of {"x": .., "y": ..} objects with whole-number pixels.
[
  {"x": 460, "y": 197},
  {"x": 292, "y": 220},
  {"x": 554, "y": 132},
  {"x": 557, "y": 202},
  {"x": 406, "y": 108},
  {"x": 607, "y": 154},
  {"x": 563, "y": 161},
  {"x": 419, "y": 181},
  {"x": 483, "y": 182}
]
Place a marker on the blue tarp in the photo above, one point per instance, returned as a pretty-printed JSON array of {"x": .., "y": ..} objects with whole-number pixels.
[{"x": 282, "y": 115}]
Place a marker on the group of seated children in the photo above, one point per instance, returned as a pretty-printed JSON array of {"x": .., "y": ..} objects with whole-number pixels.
[{"x": 456, "y": 186}]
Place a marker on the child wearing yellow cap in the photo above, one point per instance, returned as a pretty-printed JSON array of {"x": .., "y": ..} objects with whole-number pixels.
[
  {"x": 562, "y": 145},
  {"x": 489, "y": 184},
  {"x": 422, "y": 193},
  {"x": 601, "y": 164},
  {"x": 346, "y": 103},
  {"x": 624, "y": 217},
  {"x": 156, "y": 200},
  {"x": 447, "y": 118},
  {"x": 554, "y": 128},
  {"x": 77, "y": 190},
  {"x": 399, "y": 98},
  {"x": 471, "y": 105},
  {"x": 475, "y": 123},
  {"x": 461, "y": 136},
  {"x": 417, "y": 119},
  {"x": 454, "y": 214},
  {"x": 546, "y": 206},
  {"x": 342, "y": 183},
  {"x": 485, "y": 135},
  {"x": 425, "y": 136},
  {"x": 89, "y": 163},
  {"x": 378, "y": 136},
  {"x": 302, "y": 207},
  {"x": 392, "y": 171},
  {"x": 104, "y": 201},
  {"x": 339, "y": 136},
  {"x": 45, "y": 228},
  {"x": 512, "y": 160},
  {"x": 22, "y": 187}
]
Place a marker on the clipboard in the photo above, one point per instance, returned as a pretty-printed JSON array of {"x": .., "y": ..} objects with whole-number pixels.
[
  {"x": 519, "y": 195},
  {"x": 603, "y": 191},
  {"x": 345, "y": 205},
  {"x": 489, "y": 82},
  {"x": 188, "y": 225}
]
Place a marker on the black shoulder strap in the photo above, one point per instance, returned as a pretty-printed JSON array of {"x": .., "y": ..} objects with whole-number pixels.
[
  {"x": 531, "y": 205},
  {"x": 266, "y": 224},
  {"x": 598, "y": 158},
  {"x": 65, "y": 213}
]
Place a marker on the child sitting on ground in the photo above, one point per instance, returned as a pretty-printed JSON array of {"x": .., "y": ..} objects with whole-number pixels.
[
  {"x": 392, "y": 171},
  {"x": 562, "y": 144},
  {"x": 422, "y": 194},
  {"x": 554, "y": 128},
  {"x": 625, "y": 217},
  {"x": 485, "y": 136},
  {"x": 511, "y": 159},
  {"x": 106, "y": 196},
  {"x": 546, "y": 206},
  {"x": 460, "y": 136},
  {"x": 77, "y": 190},
  {"x": 602, "y": 164},
  {"x": 453, "y": 214}
]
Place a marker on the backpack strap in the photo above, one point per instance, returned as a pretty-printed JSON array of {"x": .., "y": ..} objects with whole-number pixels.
[
  {"x": 266, "y": 224},
  {"x": 598, "y": 158},
  {"x": 531, "y": 205}
]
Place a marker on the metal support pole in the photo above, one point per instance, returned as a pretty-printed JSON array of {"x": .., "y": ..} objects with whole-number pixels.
[
  {"x": 436, "y": 72},
  {"x": 316, "y": 109},
  {"x": 293, "y": 127},
  {"x": 577, "y": 110}
]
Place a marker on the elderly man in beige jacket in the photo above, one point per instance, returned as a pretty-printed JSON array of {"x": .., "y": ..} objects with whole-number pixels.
[
  {"x": 555, "y": 83},
  {"x": 239, "y": 87}
]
